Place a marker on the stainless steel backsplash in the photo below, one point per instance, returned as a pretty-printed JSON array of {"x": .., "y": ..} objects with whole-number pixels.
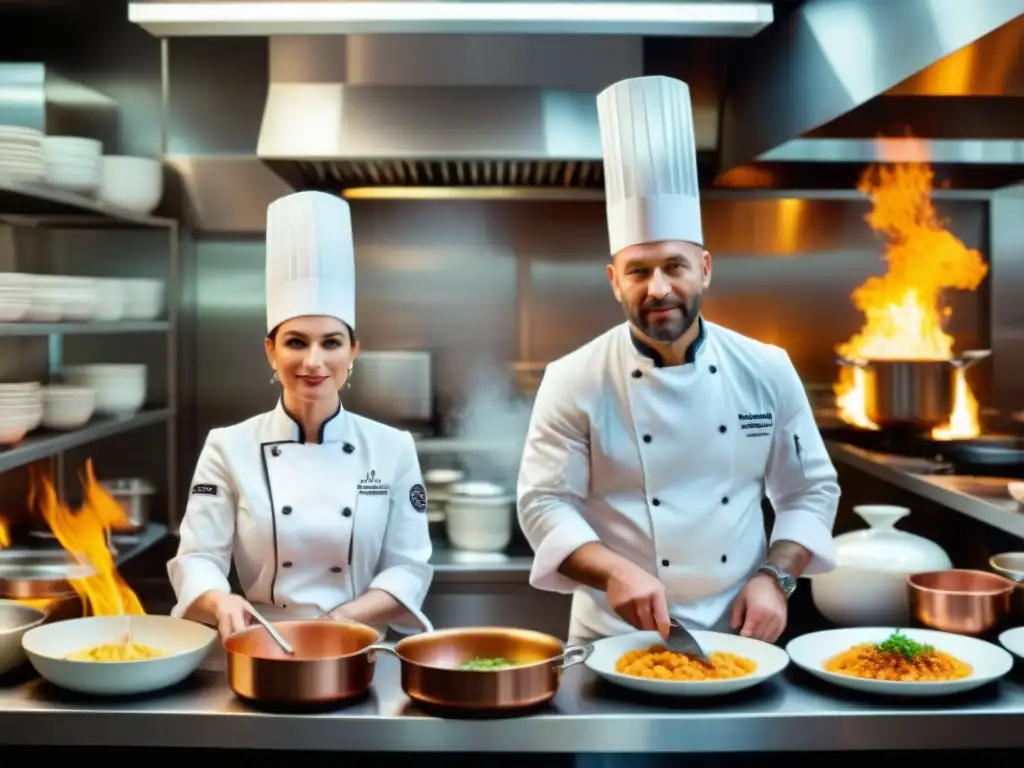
[{"x": 482, "y": 283}]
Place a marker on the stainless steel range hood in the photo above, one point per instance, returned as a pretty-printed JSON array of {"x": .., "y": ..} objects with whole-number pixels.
[
  {"x": 814, "y": 93},
  {"x": 336, "y": 135},
  {"x": 447, "y": 114}
]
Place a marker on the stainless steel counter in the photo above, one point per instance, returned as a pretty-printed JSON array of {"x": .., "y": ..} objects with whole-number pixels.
[
  {"x": 791, "y": 713},
  {"x": 986, "y": 500}
]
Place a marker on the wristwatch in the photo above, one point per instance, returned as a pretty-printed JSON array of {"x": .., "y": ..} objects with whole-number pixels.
[{"x": 786, "y": 582}]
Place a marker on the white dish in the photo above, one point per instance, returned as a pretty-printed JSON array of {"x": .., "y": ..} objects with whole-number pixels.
[
  {"x": 770, "y": 661},
  {"x": 989, "y": 662},
  {"x": 1016, "y": 490},
  {"x": 186, "y": 644},
  {"x": 15, "y": 620},
  {"x": 1013, "y": 641}
]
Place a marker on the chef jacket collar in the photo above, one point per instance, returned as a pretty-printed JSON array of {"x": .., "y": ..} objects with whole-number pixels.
[
  {"x": 287, "y": 427},
  {"x": 695, "y": 347}
]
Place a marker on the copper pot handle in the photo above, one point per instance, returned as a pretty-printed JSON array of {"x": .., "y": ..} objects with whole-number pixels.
[
  {"x": 388, "y": 648},
  {"x": 575, "y": 654}
]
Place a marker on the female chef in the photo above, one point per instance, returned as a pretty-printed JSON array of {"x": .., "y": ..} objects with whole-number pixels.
[{"x": 322, "y": 511}]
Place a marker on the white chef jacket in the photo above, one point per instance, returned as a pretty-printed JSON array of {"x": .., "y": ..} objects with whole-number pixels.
[
  {"x": 667, "y": 466},
  {"x": 310, "y": 526}
]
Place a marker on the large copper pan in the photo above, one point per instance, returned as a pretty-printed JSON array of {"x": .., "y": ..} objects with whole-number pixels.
[
  {"x": 430, "y": 661},
  {"x": 333, "y": 661}
]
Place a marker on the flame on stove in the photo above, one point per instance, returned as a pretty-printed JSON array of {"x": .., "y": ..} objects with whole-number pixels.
[
  {"x": 903, "y": 309},
  {"x": 84, "y": 533}
]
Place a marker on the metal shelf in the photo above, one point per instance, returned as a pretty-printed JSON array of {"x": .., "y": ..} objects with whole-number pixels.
[
  {"x": 119, "y": 326},
  {"x": 48, "y": 444},
  {"x": 40, "y": 205}
]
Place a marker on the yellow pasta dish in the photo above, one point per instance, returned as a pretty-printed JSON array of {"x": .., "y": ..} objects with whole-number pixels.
[
  {"x": 659, "y": 663},
  {"x": 900, "y": 659},
  {"x": 129, "y": 651}
]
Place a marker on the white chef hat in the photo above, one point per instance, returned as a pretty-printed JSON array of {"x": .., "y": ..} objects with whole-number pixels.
[
  {"x": 650, "y": 162},
  {"x": 310, "y": 259}
]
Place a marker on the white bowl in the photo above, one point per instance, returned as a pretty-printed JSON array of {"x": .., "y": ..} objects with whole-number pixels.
[
  {"x": 13, "y": 428},
  {"x": 111, "y": 299},
  {"x": 15, "y": 620},
  {"x": 989, "y": 662},
  {"x": 120, "y": 389},
  {"x": 66, "y": 408},
  {"x": 186, "y": 644},
  {"x": 143, "y": 299},
  {"x": 133, "y": 183},
  {"x": 770, "y": 661}
]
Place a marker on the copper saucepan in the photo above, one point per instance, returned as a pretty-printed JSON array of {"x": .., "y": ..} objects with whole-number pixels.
[
  {"x": 333, "y": 661},
  {"x": 964, "y": 602},
  {"x": 431, "y": 674}
]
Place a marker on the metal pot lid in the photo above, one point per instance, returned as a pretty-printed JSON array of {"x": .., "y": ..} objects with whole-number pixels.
[
  {"x": 442, "y": 476},
  {"x": 478, "y": 490}
]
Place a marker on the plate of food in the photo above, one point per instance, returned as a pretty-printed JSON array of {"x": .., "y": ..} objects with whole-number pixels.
[
  {"x": 118, "y": 655},
  {"x": 640, "y": 661},
  {"x": 900, "y": 662}
]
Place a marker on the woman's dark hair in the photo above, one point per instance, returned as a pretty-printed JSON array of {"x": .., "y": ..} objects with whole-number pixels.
[{"x": 351, "y": 333}]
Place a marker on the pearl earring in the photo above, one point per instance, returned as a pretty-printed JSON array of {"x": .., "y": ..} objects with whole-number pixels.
[{"x": 273, "y": 377}]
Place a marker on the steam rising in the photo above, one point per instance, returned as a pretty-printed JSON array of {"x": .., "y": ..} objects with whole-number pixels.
[{"x": 495, "y": 416}]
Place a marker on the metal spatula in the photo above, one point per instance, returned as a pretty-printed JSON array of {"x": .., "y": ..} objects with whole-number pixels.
[{"x": 681, "y": 641}]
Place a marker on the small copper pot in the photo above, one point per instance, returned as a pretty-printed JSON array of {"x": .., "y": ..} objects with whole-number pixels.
[
  {"x": 961, "y": 601},
  {"x": 430, "y": 661},
  {"x": 333, "y": 662}
]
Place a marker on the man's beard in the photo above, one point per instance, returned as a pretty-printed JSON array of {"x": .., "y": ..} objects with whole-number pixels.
[{"x": 668, "y": 329}]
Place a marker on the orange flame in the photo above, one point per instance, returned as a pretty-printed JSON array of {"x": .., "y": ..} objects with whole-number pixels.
[
  {"x": 85, "y": 534},
  {"x": 903, "y": 309}
]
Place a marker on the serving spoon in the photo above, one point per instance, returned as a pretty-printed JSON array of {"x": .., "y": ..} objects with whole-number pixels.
[{"x": 285, "y": 645}]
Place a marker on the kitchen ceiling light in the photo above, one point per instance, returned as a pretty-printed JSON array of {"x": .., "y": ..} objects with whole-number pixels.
[{"x": 259, "y": 18}]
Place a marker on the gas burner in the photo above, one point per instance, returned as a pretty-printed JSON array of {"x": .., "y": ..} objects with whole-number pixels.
[{"x": 991, "y": 455}]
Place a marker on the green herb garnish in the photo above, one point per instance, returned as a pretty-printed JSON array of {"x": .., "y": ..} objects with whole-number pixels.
[
  {"x": 898, "y": 643},
  {"x": 483, "y": 664}
]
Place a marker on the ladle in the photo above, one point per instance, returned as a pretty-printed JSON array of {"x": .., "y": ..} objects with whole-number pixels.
[{"x": 285, "y": 645}]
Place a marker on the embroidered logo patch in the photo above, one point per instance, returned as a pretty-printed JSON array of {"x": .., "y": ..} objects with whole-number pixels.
[
  {"x": 372, "y": 485},
  {"x": 418, "y": 497},
  {"x": 204, "y": 489},
  {"x": 756, "y": 424}
]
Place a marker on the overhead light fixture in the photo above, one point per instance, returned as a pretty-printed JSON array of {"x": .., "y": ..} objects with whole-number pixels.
[
  {"x": 472, "y": 193},
  {"x": 259, "y": 18}
]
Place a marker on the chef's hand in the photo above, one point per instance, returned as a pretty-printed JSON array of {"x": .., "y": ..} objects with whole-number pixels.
[
  {"x": 231, "y": 613},
  {"x": 639, "y": 598},
  {"x": 760, "y": 609}
]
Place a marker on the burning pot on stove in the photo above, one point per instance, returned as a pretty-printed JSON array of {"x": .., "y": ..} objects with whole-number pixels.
[{"x": 912, "y": 393}]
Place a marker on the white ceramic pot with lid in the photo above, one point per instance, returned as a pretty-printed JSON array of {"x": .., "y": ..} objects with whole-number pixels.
[
  {"x": 869, "y": 585},
  {"x": 479, "y": 516}
]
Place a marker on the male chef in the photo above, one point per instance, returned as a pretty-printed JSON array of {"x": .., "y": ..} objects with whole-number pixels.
[{"x": 650, "y": 448}]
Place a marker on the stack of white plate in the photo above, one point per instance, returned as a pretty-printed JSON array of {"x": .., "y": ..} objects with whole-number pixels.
[
  {"x": 21, "y": 410},
  {"x": 21, "y": 154},
  {"x": 61, "y": 298},
  {"x": 15, "y": 301},
  {"x": 73, "y": 163},
  {"x": 120, "y": 387}
]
